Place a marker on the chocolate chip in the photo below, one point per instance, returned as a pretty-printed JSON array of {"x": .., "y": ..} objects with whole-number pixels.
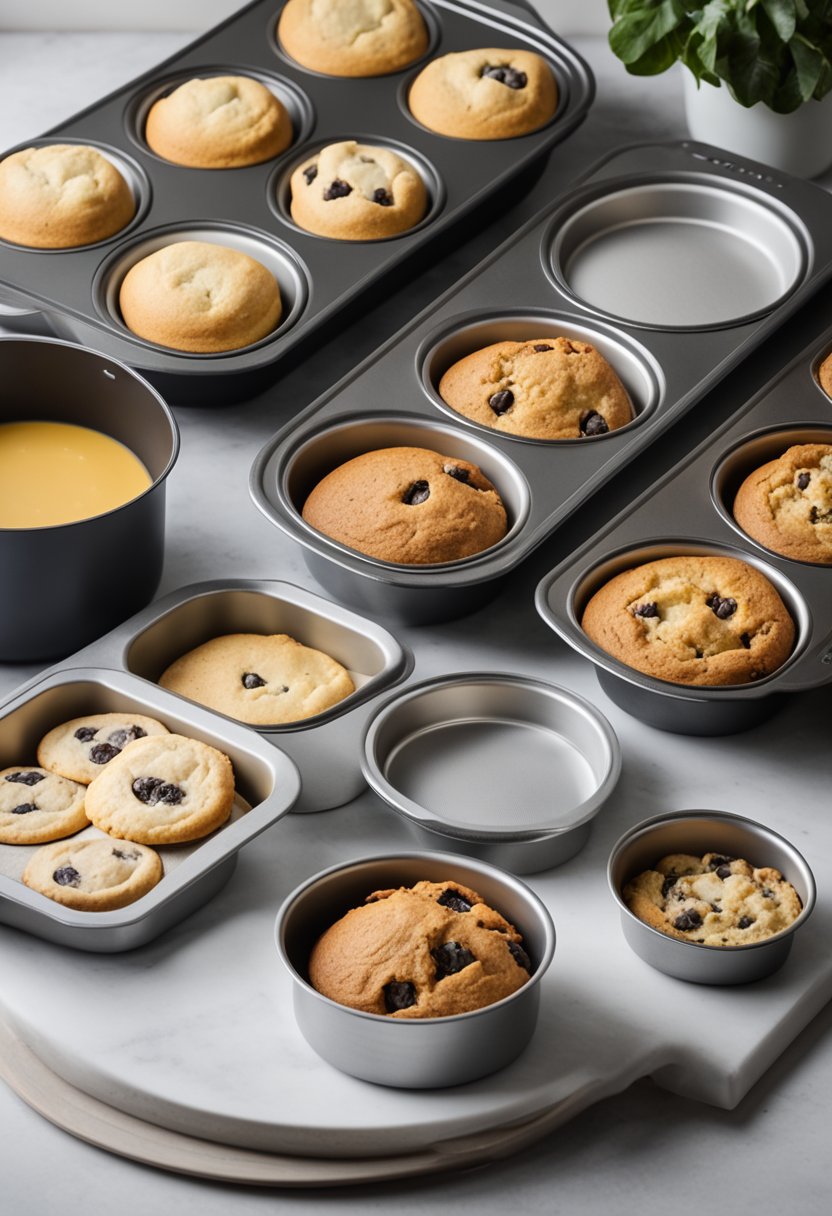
[
  {"x": 453, "y": 470},
  {"x": 398, "y": 994},
  {"x": 688, "y": 920},
  {"x": 120, "y": 738},
  {"x": 122, "y": 856},
  {"x": 716, "y": 862},
  {"x": 647, "y": 610},
  {"x": 593, "y": 424},
  {"x": 668, "y": 884},
  {"x": 453, "y": 900},
  {"x": 25, "y": 808},
  {"x": 519, "y": 955},
  {"x": 67, "y": 876},
  {"x": 505, "y": 75},
  {"x": 26, "y": 778},
  {"x": 383, "y": 197},
  {"x": 541, "y": 346},
  {"x": 151, "y": 790},
  {"x": 721, "y": 607},
  {"x": 103, "y": 753},
  {"x": 337, "y": 189},
  {"x": 746, "y": 640},
  {"x": 252, "y": 680},
  {"x": 715, "y": 908},
  {"x": 723, "y": 872},
  {"x": 450, "y": 958},
  {"x": 803, "y": 480},
  {"x": 745, "y": 922},
  {"x": 84, "y": 734},
  {"x": 502, "y": 401},
  {"x": 418, "y": 493},
  {"x": 310, "y": 173}
]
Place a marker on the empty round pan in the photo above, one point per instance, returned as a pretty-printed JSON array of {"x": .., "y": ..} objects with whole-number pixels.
[
  {"x": 680, "y": 254},
  {"x": 501, "y": 767}
]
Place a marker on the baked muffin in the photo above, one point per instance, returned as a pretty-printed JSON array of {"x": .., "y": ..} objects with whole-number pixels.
[
  {"x": 218, "y": 122},
  {"x": 408, "y": 505},
  {"x": 825, "y": 375},
  {"x": 200, "y": 297},
  {"x": 484, "y": 94},
  {"x": 713, "y": 900},
  {"x": 427, "y": 951},
  {"x": 58, "y": 196},
  {"x": 786, "y": 504},
  {"x": 353, "y": 37},
  {"x": 544, "y": 388},
  {"x": 692, "y": 620},
  {"x": 259, "y": 678},
  {"x": 357, "y": 192}
]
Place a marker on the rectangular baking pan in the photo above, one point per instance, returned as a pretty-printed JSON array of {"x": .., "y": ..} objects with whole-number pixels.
[
  {"x": 77, "y": 288},
  {"x": 771, "y": 233},
  {"x": 689, "y": 510}
]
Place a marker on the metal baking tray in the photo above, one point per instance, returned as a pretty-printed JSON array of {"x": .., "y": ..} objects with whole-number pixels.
[
  {"x": 689, "y": 511},
  {"x": 246, "y": 208},
  {"x": 652, "y": 214}
]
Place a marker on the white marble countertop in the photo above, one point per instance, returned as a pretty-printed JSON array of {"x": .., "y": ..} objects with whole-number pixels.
[{"x": 643, "y": 1148}]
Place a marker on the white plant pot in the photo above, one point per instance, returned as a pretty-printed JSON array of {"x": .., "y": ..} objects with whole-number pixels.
[{"x": 798, "y": 143}]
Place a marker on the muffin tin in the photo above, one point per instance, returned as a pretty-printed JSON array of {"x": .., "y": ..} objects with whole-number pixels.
[
  {"x": 248, "y": 209},
  {"x": 689, "y": 511},
  {"x": 650, "y": 216}
]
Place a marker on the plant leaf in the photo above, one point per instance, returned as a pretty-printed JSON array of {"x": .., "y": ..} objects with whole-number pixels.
[
  {"x": 782, "y": 15},
  {"x": 809, "y": 64},
  {"x": 748, "y": 68},
  {"x": 637, "y": 32}
]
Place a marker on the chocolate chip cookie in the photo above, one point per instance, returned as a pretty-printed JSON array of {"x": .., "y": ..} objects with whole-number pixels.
[
  {"x": 484, "y": 94},
  {"x": 786, "y": 504},
  {"x": 37, "y": 805},
  {"x": 79, "y": 749},
  {"x": 357, "y": 192},
  {"x": 94, "y": 874}
]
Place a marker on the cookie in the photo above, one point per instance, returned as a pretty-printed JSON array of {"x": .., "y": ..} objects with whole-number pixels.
[
  {"x": 426, "y": 951},
  {"x": 786, "y": 504},
  {"x": 163, "y": 789},
  {"x": 200, "y": 297},
  {"x": 93, "y": 875},
  {"x": 37, "y": 805},
  {"x": 544, "y": 388},
  {"x": 58, "y": 196},
  {"x": 713, "y": 900},
  {"x": 353, "y": 37},
  {"x": 218, "y": 122},
  {"x": 484, "y": 94},
  {"x": 408, "y": 505},
  {"x": 79, "y": 749},
  {"x": 692, "y": 620},
  {"x": 357, "y": 192},
  {"x": 259, "y": 678}
]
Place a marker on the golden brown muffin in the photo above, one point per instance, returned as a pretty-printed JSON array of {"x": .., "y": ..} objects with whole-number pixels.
[
  {"x": 357, "y": 192},
  {"x": 218, "y": 122},
  {"x": 201, "y": 297},
  {"x": 427, "y": 951},
  {"x": 825, "y": 375},
  {"x": 353, "y": 37},
  {"x": 408, "y": 505},
  {"x": 692, "y": 620},
  {"x": 786, "y": 504},
  {"x": 484, "y": 94},
  {"x": 544, "y": 388},
  {"x": 59, "y": 196}
]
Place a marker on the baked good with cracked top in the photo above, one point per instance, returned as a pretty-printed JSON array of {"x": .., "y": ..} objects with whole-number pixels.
[
  {"x": 697, "y": 620},
  {"x": 353, "y": 37},
  {"x": 431, "y": 950},
  {"x": 61, "y": 196},
  {"x": 484, "y": 94},
  {"x": 786, "y": 504},
  {"x": 94, "y": 874},
  {"x": 218, "y": 122},
  {"x": 543, "y": 388},
  {"x": 357, "y": 192},
  {"x": 408, "y": 505},
  {"x": 37, "y": 805},
  {"x": 80, "y": 748}
]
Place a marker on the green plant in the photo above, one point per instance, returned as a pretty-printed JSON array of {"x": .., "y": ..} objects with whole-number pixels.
[{"x": 774, "y": 51}]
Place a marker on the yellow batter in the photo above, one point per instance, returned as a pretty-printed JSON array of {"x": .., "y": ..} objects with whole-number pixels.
[{"x": 56, "y": 473}]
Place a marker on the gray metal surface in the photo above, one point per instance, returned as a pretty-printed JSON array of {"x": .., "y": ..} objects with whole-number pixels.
[
  {"x": 412, "y": 1053},
  {"x": 689, "y": 511},
  {"x": 517, "y": 292},
  {"x": 76, "y": 288},
  {"x": 698, "y": 832}
]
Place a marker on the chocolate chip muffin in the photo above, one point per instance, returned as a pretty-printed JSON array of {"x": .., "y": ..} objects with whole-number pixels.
[
  {"x": 353, "y": 37},
  {"x": 692, "y": 620},
  {"x": 544, "y": 388},
  {"x": 713, "y": 900},
  {"x": 484, "y": 94},
  {"x": 786, "y": 504},
  {"x": 58, "y": 196},
  {"x": 426, "y": 951},
  {"x": 408, "y": 505},
  {"x": 357, "y": 192}
]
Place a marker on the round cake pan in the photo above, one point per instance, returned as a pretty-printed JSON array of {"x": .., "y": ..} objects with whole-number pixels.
[
  {"x": 76, "y": 581},
  {"x": 677, "y": 255},
  {"x": 699, "y": 832},
  {"x": 412, "y": 1053},
  {"x": 501, "y": 767}
]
